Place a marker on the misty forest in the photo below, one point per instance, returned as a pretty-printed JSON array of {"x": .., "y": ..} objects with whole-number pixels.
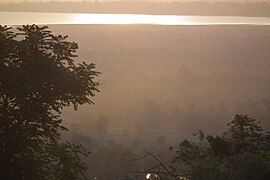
[{"x": 135, "y": 101}]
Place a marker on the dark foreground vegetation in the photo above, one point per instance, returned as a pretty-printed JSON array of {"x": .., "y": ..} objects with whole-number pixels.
[
  {"x": 240, "y": 152},
  {"x": 39, "y": 77}
]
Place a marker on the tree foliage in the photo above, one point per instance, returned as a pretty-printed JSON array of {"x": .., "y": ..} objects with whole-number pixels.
[
  {"x": 38, "y": 78},
  {"x": 243, "y": 152}
]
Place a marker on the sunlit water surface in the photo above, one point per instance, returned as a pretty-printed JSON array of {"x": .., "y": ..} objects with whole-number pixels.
[{"x": 19, "y": 18}]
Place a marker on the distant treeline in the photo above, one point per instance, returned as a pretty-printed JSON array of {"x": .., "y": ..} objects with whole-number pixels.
[
  {"x": 187, "y": 8},
  {"x": 170, "y": 80}
]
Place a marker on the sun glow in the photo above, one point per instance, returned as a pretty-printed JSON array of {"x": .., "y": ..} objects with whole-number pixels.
[
  {"x": 128, "y": 19},
  {"x": 11, "y": 18}
]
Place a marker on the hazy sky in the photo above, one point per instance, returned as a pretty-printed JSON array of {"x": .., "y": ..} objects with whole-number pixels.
[{"x": 8, "y": 1}]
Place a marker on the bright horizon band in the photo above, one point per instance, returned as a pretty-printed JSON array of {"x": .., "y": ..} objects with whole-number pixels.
[{"x": 11, "y": 18}]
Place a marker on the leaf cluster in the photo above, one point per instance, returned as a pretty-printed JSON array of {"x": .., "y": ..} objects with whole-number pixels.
[
  {"x": 38, "y": 78},
  {"x": 242, "y": 152}
]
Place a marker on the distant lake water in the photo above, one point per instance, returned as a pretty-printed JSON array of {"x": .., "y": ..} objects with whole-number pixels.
[{"x": 19, "y": 18}]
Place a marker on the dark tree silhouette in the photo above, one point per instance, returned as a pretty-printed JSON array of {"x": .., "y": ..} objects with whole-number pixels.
[
  {"x": 242, "y": 152},
  {"x": 38, "y": 78}
]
